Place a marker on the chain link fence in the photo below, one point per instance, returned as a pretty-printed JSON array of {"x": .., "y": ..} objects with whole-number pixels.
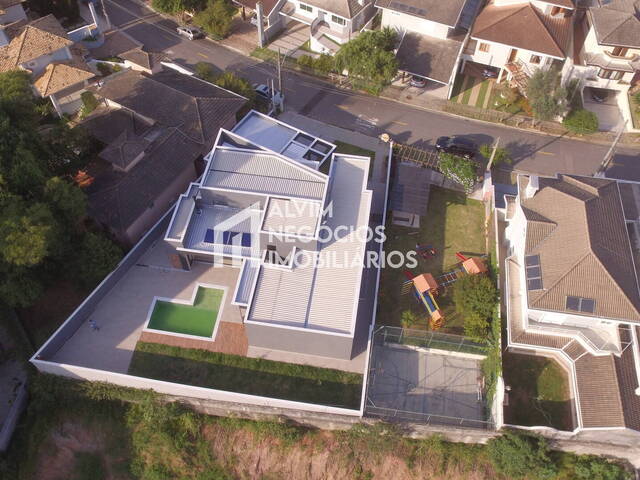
[{"x": 428, "y": 339}]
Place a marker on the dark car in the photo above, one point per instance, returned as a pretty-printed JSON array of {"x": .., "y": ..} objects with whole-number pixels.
[{"x": 457, "y": 146}]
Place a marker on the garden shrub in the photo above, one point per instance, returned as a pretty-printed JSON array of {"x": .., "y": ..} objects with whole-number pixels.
[
  {"x": 459, "y": 169},
  {"x": 89, "y": 103},
  {"x": 581, "y": 121}
]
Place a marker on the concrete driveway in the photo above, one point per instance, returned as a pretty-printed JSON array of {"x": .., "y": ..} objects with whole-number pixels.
[{"x": 609, "y": 114}]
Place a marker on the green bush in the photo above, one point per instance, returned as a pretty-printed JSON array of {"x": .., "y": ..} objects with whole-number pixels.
[
  {"x": 581, "y": 121},
  {"x": 408, "y": 319},
  {"x": 458, "y": 169},
  {"x": 519, "y": 456},
  {"x": 104, "y": 68},
  {"x": 205, "y": 71},
  {"x": 89, "y": 103},
  {"x": 590, "y": 467},
  {"x": 324, "y": 64},
  {"x": 501, "y": 156},
  {"x": 230, "y": 81},
  {"x": 475, "y": 297},
  {"x": 305, "y": 61},
  {"x": 217, "y": 18}
]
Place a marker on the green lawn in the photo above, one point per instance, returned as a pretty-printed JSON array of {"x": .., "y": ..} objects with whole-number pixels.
[
  {"x": 253, "y": 376},
  {"x": 482, "y": 94},
  {"x": 457, "y": 87},
  {"x": 539, "y": 392},
  {"x": 635, "y": 111},
  {"x": 453, "y": 224},
  {"x": 470, "y": 83},
  {"x": 198, "y": 319}
]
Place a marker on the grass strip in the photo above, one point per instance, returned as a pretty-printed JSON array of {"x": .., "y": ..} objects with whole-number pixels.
[
  {"x": 482, "y": 94},
  {"x": 253, "y": 376},
  {"x": 469, "y": 84},
  {"x": 457, "y": 87}
]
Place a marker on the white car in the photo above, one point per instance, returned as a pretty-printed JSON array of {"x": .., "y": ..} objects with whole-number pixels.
[
  {"x": 191, "y": 33},
  {"x": 264, "y": 92}
]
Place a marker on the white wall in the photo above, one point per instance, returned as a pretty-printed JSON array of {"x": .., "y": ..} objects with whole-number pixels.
[
  {"x": 404, "y": 22},
  {"x": 498, "y": 56},
  {"x": 40, "y": 63}
]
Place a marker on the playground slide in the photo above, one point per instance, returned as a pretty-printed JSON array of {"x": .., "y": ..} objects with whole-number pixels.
[{"x": 429, "y": 302}]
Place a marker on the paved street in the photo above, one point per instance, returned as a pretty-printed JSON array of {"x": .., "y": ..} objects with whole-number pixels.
[{"x": 531, "y": 152}]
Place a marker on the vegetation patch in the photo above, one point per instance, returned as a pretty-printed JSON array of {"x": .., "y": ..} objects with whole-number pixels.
[
  {"x": 453, "y": 223},
  {"x": 252, "y": 376},
  {"x": 582, "y": 122},
  {"x": 539, "y": 392}
]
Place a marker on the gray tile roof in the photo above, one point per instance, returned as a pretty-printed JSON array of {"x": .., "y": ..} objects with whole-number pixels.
[
  {"x": 344, "y": 8},
  {"x": 428, "y": 57},
  {"x": 446, "y": 13},
  {"x": 617, "y": 23},
  {"x": 186, "y": 112},
  {"x": 197, "y": 108},
  {"x": 585, "y": 213}
]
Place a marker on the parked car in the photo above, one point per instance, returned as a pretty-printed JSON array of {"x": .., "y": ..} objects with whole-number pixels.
[
  {"x": 489, "y": 73},
  {"x": 598, "y": 95},
  {"x": 418, "y": 82},
  {"x": 192, "y": 33},
  {"x": 264, "y": 93},
  {"x": 456, "y": 146}
]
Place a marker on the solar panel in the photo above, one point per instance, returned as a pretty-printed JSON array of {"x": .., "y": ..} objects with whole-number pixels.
[
  {"x": 533, "y": 272},
  {"x": 580, "y": 304}
]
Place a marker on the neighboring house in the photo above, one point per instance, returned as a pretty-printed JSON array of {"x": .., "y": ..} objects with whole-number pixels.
[
  {"x": 297, "y": 290},
  {"x": 156, "y": 129},
  {"x": 606, "y": 57},
  {"x": 431, "y": 33},
  {"x": 517, "y": 37},
  {"x": 331, "y": 22},
  {"x": 132, "y": 54},
  {"x": 572, "y": 294},
  {"x": 12, "y": 17},
  {"x": 44, "y": 49}
]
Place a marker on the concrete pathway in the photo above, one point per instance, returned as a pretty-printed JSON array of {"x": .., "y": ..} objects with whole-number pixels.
[{"x": 291, "y": 39}]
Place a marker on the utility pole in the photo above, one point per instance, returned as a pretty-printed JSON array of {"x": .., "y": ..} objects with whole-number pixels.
[
  {"x": 610, "y": 153},
  {"x": 493, "y": 153}
]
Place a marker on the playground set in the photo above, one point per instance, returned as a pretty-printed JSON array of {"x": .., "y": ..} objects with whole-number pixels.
[{"x": 426, "y": 287}]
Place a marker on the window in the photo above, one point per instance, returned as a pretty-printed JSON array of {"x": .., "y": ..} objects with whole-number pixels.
[
  {"x": 483, "y": 47},
  {"x": 338, "y": 20},
  {"x": 580, "y": 304},
  {"x": 306, "y": 8},
  {"x": 610, "y": 74},
  {"x": 619, "y": 52},
  {"x": 535, "y": 59},
  {"x": 533, "y": 272}
]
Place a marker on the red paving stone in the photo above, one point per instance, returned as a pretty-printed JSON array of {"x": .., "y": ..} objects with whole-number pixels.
[{"x": 230, "y": 338}]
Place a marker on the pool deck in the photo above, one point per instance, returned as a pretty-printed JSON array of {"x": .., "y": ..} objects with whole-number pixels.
[{"x": 122, "y": 314}]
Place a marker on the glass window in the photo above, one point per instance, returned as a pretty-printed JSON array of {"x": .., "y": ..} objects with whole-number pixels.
[
  {"x": 483, "y": 47},
  {"x": 610, "y": 74},
  {"x": 533, "y": 272},
  {"x": 338, "y": 20},
  {"x": 306, "y": 8},
  {"x": 619, "y": 51},
  {"x": 535, "y": 59}
]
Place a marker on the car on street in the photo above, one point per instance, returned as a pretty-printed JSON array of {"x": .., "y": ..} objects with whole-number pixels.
[
  {"x": 263, "y": 92},
  {"x": 192, "y": 33},
  {"x": 418, "y": 82},
  {"x": 457, "y": 146}
]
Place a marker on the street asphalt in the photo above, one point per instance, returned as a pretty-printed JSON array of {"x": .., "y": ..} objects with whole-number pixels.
[{"x": 532, "y": 152}]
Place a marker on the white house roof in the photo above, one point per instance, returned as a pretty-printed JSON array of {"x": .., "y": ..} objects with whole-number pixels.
[
  {"x": 260, "y": 172},
  {"x": 294, "y": 217},
  {"x": 323, "y": 296}
]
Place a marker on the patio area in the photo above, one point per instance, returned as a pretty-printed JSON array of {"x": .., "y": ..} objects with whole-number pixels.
[{"x": 121, "y": 315}]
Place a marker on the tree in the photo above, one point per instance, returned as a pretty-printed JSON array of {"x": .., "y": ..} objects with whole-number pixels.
[
  {"x": 205, "y": 71},
  {"x": 217, "y": 18},
  {"x": 476, "y": 327},
  {"x": 66, "y": 199},
  {"x": 230, "y": 81},
  {"x": 501, "y": 156},
  {"x": 519, "y": 456},
  {"x": 545, "y": 94},
  {"x": 369, "y": 58},
  {"x": 475, "y": 295},
  {"x": 581, "y": 121},
  {"x": 458, "y": 169},
  {"x": 96, "y": 258},
  {"x": 19, "y": 287},
  {"x": 25, "y": 233},
  {"x": 408, "y": 319}
]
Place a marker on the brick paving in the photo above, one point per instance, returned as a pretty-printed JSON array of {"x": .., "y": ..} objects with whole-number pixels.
[{"x": 231, "y": 338}]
